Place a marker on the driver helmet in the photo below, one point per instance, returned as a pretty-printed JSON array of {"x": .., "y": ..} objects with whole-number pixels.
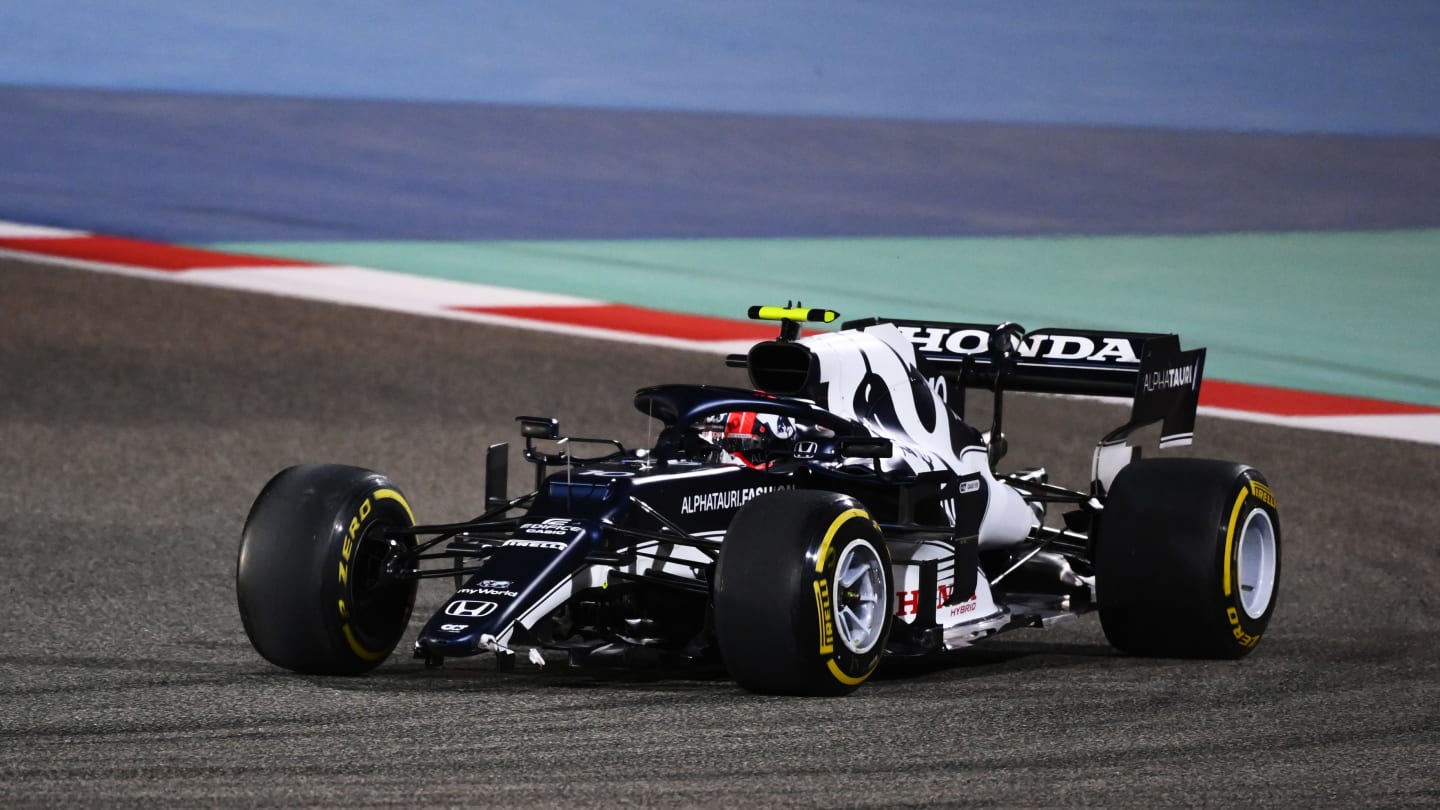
[{"x": 747, "y": 436}]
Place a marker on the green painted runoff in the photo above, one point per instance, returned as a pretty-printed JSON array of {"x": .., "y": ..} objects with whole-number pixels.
[{"x": 1345, "y": 313}]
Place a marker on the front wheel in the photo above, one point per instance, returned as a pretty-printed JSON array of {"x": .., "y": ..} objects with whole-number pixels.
[
  {"x": 311, "y": 579},
  {"x": 1187, "y": 559},
  {"x": 803, "y": 595}
]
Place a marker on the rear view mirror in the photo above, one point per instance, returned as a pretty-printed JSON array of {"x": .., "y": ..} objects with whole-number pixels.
[{"x": 539, "y": 427}]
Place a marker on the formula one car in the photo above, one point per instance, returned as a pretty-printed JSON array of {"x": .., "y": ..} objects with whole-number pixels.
[{"x": 839, "y": 511}]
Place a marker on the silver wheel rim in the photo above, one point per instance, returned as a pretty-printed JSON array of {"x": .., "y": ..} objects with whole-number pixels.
[
  {"x": 859, "y": 597},
  {"x": 1255, "y": 563}
]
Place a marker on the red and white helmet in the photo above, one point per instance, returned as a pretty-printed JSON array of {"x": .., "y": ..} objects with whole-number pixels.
[{"x": 747, "y": 436}]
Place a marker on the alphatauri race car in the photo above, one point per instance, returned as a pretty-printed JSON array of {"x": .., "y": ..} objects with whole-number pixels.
[{"x": 838, "y": 511}]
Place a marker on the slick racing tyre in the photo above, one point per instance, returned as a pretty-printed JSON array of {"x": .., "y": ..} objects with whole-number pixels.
[
  {"x": 311, "y": 583},
  {"x": 803, "y": 594},
  {"x": 1187, "y": 559}
]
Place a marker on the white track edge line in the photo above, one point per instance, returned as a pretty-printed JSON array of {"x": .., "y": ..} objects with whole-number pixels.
[{"x": 1422, "y": 428}]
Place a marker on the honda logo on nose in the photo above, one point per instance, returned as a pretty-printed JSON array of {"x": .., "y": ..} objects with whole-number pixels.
[{"x": 470, "y": 610}]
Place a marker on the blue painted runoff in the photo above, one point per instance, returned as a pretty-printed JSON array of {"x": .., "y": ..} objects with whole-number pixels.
[{"x": 1284, "y": 66}]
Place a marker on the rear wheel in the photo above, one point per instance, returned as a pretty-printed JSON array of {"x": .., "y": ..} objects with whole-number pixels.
[
  {"x": 1187, "y": 559},
  {"x": 803, "y": 594},
  {"x": 311, "y": 581}
]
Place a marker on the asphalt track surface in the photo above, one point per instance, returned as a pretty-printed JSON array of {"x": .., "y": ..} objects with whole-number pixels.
[{"x": 138, "y": 420}]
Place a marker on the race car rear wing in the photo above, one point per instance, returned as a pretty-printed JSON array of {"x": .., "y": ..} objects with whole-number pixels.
[{"x": 1162, "y": 381}]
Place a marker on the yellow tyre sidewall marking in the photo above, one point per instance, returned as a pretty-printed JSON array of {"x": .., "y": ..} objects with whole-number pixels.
[
  {"x": 1263, "y": 494},
  {"x": 846, "y": 679},
  {"x": 392, "y": 495},
  {"x": 354, "y": 643},
  {"x": 830, "y": 535},
  {"x": 823, "y": 604},
  {"x": 357, "y": 647},
  {"x": 1230, "y": 537}
]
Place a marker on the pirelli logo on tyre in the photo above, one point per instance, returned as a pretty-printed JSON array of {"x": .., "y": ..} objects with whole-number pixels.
[
  {"x": 827, "y": 622},
  {"x": 1244, "y": 638},
  {"x": 351, "y": 536},
  {"x": 1263, "y": 492}
]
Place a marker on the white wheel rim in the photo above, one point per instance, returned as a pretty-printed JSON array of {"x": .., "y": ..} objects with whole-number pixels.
[
  {"x": 1255, "y": 563},
  {"x": 859, "y": 597}
]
